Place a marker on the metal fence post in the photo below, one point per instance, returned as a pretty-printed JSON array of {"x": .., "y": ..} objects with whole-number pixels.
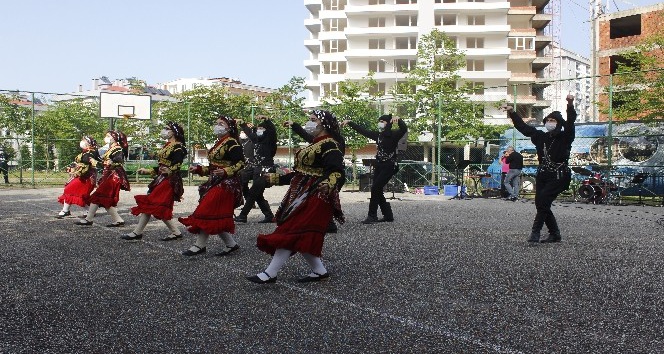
[
  {"x": 438, "y": 140},
  {"x": 609, "y": 151},
  {"x": 191, "y": 150},
  {"x": 32, "y": 141}
]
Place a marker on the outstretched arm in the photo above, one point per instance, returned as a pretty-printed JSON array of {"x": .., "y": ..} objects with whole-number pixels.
[
  {"x": 570, "y": 129},
  {"x": 373, "y": 135},
  {"x": 518, "y": 122}
]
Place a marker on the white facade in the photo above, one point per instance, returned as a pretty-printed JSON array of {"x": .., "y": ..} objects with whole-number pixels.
[
  {"x": 575, "y": 79},
  {"x": 504, "y": 43}
]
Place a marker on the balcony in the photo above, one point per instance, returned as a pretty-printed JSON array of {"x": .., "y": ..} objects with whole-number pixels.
[
  {"x": 522, "y": 78},
  {"x": 313, "y": 6},
  {"x": 466, "y": 7},
  {"x": 541, "y": 20},
  {"x": 484, "y": 75},
  {"x": 522, "y": 10},
  {"x": 381, "y": 53},
  {"x": 522, "y": 32},
  {"x": 524, "y": 56},
  {"x": 312, "y": 65},
  {"x": 540, "y": 3},
  {"x": 542, "y": 41},
  {"x": 380, "y": 9},
  {"x": 542, "y": 62},
  {"x": 487, "y": 29},
  {"x": 485, "y": 52},
  {"x": 313, "y": 45},
  {"x": 391, "y": 30},
  {"x": 313, "y": 25}
]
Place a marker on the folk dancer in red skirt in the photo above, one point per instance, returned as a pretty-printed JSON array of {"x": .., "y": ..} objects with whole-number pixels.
[
  {"x": 112, "y": 180},
  {"x": 309, "y": 204},
  {"x": 165, "y": 189},
  {"x": 220, "y": 194},
  {"x": 82, "y": 177}
]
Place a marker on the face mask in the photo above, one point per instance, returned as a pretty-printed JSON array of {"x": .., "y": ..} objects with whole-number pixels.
[
  {"x": 381, "y": 126},
  {"x": 549, "y": 126},
  {"x": 83, "y": 145},
  {"x": 243, "y": 136},
  {"x": 165, "y": 134},
  {"x": 107, "y": 140},
  {"x": 260, "y": 132},
  {"x": 311, "y": 127},
  {"x": 220, "y": 130}
]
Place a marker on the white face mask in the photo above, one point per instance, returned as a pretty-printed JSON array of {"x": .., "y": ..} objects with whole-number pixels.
[
  {"x": 311, "y": 127},
  {"x": 381, "y": 126},
  {"x": 165, "y": 134},
  {"x": 83, "y": 144},
  {"x": 220, "y": 130},
  {"x": 260, "y": 132},
  {"x": 549, "y": 126},
  {"x": 243, "y": 136},
  {"x": 107, "y": 139}
]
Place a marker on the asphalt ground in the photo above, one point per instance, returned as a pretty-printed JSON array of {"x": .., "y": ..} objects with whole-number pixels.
[{"x": 448, "y": 276}]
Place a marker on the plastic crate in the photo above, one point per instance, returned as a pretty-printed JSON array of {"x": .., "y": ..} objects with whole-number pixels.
[
  {"x": 430, "y": 190},
  {"x": 452, "y": 190}
]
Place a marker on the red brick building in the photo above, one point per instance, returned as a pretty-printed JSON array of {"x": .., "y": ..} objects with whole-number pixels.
[{"x": 621, "y": 32}]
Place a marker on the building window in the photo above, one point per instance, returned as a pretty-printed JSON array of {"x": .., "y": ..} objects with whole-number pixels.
[
  {"x": 476, "y": 20},
  {"x": 475, "y": 0},
  {"x": 334, "y": 67},
  {"x": 376, "y": 2},
  {"x": 521, "y": 43},
  {"x": 378, "y": 89},
  {"x": 445, "y": 1},
  {"x": 334, "y": 25},
  {"x": 474, "y": 42},
  {"x": 404, "y": 65},
  {"x": 404, "y": 2},
  {"x": 377, "y": 22},
  {"x": 377, "y": 43},
  {"x": 377, "y": 66},
  {"x": 405, "y": 20},
  {"x": 405, "y": 43},
  {"x": 476, "y": 88},
  {"x": 446, "y": 20},
  {"x": 625, "y": 26},
  {"x": 334, "y": 5},
  {"x": 329, "y": 89},
  {"x": 334, "y": 46},
  {"x": 615, "y": 61},
  {"x": 474, "y": 65}
]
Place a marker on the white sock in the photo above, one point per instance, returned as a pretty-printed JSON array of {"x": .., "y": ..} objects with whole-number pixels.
[
  {"x": 113, "y": 212},
  {"x": 278, "y": 260},
  {"x": 172, "y": 227},
  {"x": 315, "y": 263},
  {"x": 91, "y": 212},
  {"x": 201, "y": 242},
  {"x": 65, "y": 208},
  {"x": 142, "y": 221},
  {"x": 228, "y": 239}
]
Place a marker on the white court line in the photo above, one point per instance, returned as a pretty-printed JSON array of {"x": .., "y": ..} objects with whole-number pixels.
[{"x": 405, "y": 321}]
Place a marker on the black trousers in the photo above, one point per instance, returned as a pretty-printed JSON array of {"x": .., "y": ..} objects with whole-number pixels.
[
  {"x": 548, "y": 185},
  {"x": 255, "y": 193},
  {"x": 383, "y": 172},
  {"x": 503, "y": 190}
]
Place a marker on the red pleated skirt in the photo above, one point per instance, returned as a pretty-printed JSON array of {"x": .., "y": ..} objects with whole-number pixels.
[
  {"x": 77, "y": 192},
  {"x": 303, "y": 231},
  {"x": 107, "y": 193},
  {"x": 214, "y": 213},
  {"x": 159, "y": 203}
]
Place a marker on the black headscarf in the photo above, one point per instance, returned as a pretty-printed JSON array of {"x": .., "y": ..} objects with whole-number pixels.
[
  {"x": 331, "y": 124},
  {"x": 178, "y": 132}
]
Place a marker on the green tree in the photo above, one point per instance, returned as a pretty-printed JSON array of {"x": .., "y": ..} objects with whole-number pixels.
[
  {"x": 639, "y": 82},
  {"x": 283, "y": 105},
  {"x": 434, "y": 86}
]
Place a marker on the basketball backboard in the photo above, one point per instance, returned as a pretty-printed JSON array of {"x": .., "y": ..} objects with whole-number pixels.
[{"x": 120, "y": 105}]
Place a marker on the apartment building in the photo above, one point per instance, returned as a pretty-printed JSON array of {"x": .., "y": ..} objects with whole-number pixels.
[
  {"x": 621, "y": 32},
  {"x": 573, "y": 77},
  {"x": 504, "y": 43},
  {"x": 234, "y": 86}
]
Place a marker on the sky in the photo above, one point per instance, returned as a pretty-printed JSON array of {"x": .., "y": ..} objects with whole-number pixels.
[{"x": 54, "y": 46}]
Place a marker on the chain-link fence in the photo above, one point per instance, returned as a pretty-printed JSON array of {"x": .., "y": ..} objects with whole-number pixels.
[{"x": 40, "y": 135}]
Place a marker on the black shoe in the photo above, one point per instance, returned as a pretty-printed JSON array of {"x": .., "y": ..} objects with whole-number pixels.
[
  {"x": 534, "y": 237},
  {"x": 370, "y": 220},
  {"x": 116, "y": 224},
  {"x": 257, "y": 280},
  {"x": 63, "y": 215},
  {"x": 228, "y": 251},
  {"x": 171, "y": 237},
  {"x": 514, "y": 199},
  {"x": 384, "y": 219},
  {"x": 194, "y": 253},
  {"x": 332, "y": 228},
  {"x": 240, "y": 218},
  {"x": 551, "y": 238},
  {"x": 309, "y": 278},
  {"x": 267, "y": 220},
  {"x": 84, "y": 222},
  {"x": 131, "y": 236}
]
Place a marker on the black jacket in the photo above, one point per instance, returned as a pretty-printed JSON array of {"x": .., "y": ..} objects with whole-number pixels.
[
  {"x": 515, "y": 160},
  {"x": 387, "y": 141},
  {"x": 554, "y": 146},
  {"x": 265, "y": 146}
]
